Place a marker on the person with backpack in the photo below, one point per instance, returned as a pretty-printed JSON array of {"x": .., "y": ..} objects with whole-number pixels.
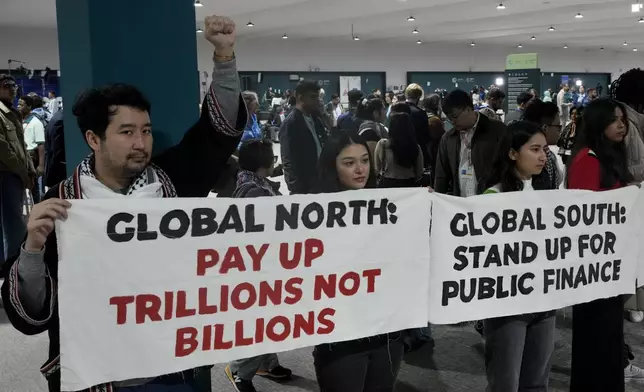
[{"x": 256, "y": 163}]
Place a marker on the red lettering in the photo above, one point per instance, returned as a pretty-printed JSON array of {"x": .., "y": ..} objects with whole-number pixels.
[
  {"x": 294, "y": 290},
  {"x": 272, "y": 324},
  {"x": 324, "y": 318},
  {"x": 240, "y": 340},
  {"x": 182, "y": 307},
  {"x": 185, "y": 337},
  {"x": 223, "y": 304},
  {"x": 268, "y": 292},
  {"x": 220, "y": 343},
  {"x": 207, "y": 338},
  {"x": 168, "y": 303},
  {"x": 121, "y": 304},
  {"x": 371, "y": 279},
  {"x": 288, "y": 263},
  {"x": 346, "y": 291},
  {"x": 323, "y": 284},
  {"x": 304, "y": 324},
  {"x": 259, "y": 330},
  {"x": 235, "y": 298},
  {"x": 204, "y": 307},
  {"x": 257, "y": 256},
  {"x": 206, "y": 259},
  {"x": 313, "y": 248},
  {"x": 147, "y": 305},
  {"x": 232, "y": 259}
]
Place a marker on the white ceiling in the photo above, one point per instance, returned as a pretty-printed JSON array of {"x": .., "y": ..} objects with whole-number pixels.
[{"x": 606, "y": 23}]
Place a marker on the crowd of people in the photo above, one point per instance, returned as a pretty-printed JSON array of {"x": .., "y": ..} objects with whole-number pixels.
[{"x": 459, "y": 144}]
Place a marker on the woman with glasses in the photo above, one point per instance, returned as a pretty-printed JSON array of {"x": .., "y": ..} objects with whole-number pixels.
[{"x": 546, "y": 115}]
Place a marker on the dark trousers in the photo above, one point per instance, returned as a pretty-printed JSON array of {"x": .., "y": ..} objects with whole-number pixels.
[
  {"x": 12, "y": 224},
  {"x": 373, "y": 370},
  {"x": 598, "y": 351},
  {"x": 518, "y": 350}
]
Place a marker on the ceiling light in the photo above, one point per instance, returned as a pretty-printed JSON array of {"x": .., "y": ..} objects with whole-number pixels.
[
  {"x": 199, "y": 30},
  {"x": 411, "y": 19},
  {"x": 500, "y": 7},
  {"x": 285, "y": 36},
  {"x": 579, "y": 15},
  {"x": 636, "y": 7},
  {"x": 198, "y": 3},
  {"x": 519, "y": 46},
  {"x": 250, "y": 24},
  {"x": 419, "y": 42},
  {"x": 625, "y": 43},
  {"x": 356, "y": 38},
  {"x": 634, "y": 49},
  {"x": 565, "y": 46},
  {"x": 533, "y": 38},
  {"x": 415, "y": 31},
  {"x": 472, "y": 44},
  {"x": 551, "y": 28}
]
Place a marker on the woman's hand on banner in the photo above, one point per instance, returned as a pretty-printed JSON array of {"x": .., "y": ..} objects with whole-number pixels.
[
  {"x": 430, "y": 189},
  {"x": 42, "y": 222}
]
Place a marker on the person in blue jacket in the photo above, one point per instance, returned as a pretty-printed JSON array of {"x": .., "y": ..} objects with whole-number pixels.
[{"x": 253, "y": 130}]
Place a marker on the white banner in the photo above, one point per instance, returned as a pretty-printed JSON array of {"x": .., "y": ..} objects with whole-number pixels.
[
  {"x": 150, "y": 287},
  {"x": 522, "y": 252}
]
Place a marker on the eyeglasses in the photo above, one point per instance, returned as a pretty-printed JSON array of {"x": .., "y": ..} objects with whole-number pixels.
[{"x": 452, "y": 117}]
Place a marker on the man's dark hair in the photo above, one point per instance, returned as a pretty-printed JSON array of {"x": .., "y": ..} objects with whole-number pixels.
[
  {"x": 335, "y": 96},
  {"x": 256, "y": 154},
  {"x": 28, "y": 100},
  {"x": 457, "y": 100},
  {"x": 628, "y": 87},
  {"x": 539, "y": 112},
  {"x": 400, "y": 107},
  {"x": 400, "y": 97},
  {"x": 38, "y": 102},
  {"x": 6, "y": 78},
  {"x": 496, "y": 93},
  {"x": 95, "y": 107},
  {"x": 307, "y": 86},
  {"x": 354, "y": 97},
  {"x": 432, "y": 104},
  {"x": 524, "y": 98}
]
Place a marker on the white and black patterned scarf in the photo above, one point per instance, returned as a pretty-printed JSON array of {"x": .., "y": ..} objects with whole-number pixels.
[{"x": 84, "y": 182}]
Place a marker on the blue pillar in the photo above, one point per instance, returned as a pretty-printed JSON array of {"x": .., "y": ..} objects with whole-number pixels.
[{"x": 150, "y": 44}]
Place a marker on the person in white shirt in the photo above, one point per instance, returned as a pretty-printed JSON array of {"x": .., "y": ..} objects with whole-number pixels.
[
  {"x": 54, "y": 103},
  {"x": 34, "y": 140}
]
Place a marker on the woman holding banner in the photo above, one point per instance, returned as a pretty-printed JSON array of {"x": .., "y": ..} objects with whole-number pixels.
[
  {"x": 369, "y": 364},
  {"x": 518, "y": 348},
  {"x": 599, "y": 163}
]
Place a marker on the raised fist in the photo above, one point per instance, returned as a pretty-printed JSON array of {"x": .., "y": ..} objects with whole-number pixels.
[{"x": 220, "y": 31}]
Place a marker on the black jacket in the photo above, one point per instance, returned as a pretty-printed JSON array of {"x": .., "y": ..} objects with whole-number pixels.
[
  {"x": 193, "y": 166},
  {"x": 486, "y": 138},
  {"x": 55, "y": 166},
  {"x": 421, "y": 124},
  {"x": 299, "y": 151}
]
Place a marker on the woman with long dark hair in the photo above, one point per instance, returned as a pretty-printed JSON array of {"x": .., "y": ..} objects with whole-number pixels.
[
  {"x": 399, "y": 159},
  {"x": 368, "y": 364},
  {"x": 518, "y": 348},
  {"x": 599, "y": 163},
  {"x": 371, "y": 111}
]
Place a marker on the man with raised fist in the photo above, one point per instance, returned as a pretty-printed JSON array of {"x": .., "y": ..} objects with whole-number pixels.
[{"x": 115, "y": 122}]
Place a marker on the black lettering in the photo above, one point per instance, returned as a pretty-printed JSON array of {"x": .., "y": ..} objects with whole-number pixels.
[
  {"x": 609, "y": 245},
  {"x": 380, "y": 211},
  {"x": 456, "y": 229},
  {"x": 203, "y": 222},
  {"x": 307, "y": 221},
  {"x": 523, "y": 289},
  {"x": 588, "y": 215},
  {"x": 574, "y": 216},
  {"x": 450, "y": 290},
  {"x": 114, "y": 220},
  {"x": 547, "y": 279},
  {"x": 593, "y": 273},
  {"x": 530, "y": 252},
  {"x": 560, "y": 219},
  {"x": 581, "y": 279},
  {"x": 500, "y": 293},
  {"x": 527, "y": 220},
  {"x": 566, "y": 246},
  {"x": 552, "y": 249},
  {"x": 357, "y": 206},
  {"x": 142, "y": 233},
  {"x": 486, "y": 288},
  {"x": 511, "y": 253},
  {"x": 605, "y": 275},
  {"x": 337, "y": 210},
  {"x": 491, "y": 222},
  {"x": 473, "y": 229},
  {"x": 540, "y": 225},
  {"x": 476, "y": 252},
  {"x": 613, "y": 216},
  {"x": 184, "y": 224},
  {"x": 617, "y": 267},
  {"x": 249, "y": 217},
  {"x": 284, "y": 216},
  {"x": 461, "y": 259},
  {"x": 509, "y": 221},
  {"x": 231, "y": 220},
  {"x": 582, "y": 244},
  {"x": 466, "y": 298},
  {"x": 493, "y": 257},
  {"x": 601, "y": 209}
]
